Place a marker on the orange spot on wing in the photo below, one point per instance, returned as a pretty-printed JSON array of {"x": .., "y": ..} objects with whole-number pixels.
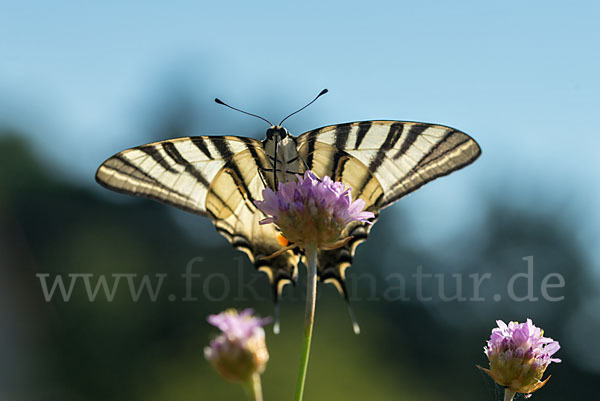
[{"x": 282, "y": 240}]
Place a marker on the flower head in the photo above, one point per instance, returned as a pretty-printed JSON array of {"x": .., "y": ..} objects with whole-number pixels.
[
  {"x": 519, "y": 355},
  {"x": 240, "y": 350},
  {"x": 312, "y": 210}
]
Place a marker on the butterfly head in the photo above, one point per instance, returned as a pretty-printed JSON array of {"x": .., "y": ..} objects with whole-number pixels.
[{"x": 277, "y": 133}]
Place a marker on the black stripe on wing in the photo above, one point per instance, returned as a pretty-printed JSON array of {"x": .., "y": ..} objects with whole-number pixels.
[
  {"x": 411, "y": 136},
  {"x": 363, "y": 129},
  {"x": 342, "y": 133},
  {"x": 311, "y": 139},
  {"x": 199, "y": 142},
  {"x": 226, "y": 153},
  {"x": 172, "y": 151},
  {"x": 393, "y": 135},
  {"x": 453, "y": 152},
  {"x": 152, "y": 151}
]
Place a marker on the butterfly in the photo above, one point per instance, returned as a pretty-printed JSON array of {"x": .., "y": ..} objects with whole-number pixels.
[{"x": 220, "y": 177}]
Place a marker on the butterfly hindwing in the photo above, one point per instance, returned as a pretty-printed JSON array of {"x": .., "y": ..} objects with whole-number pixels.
[
  {"x": 231, "y": 204},
  {"x": 381, "y": 161},
  {"x": 216, "y": 177}
]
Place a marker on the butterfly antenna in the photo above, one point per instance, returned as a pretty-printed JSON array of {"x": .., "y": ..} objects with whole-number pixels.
[
  {"x": 355, "y": 325},
  {"x": 219, "y": 101},
  {"x": 324, "y": 91}
]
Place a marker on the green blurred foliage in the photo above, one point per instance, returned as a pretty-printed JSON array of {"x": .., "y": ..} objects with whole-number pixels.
[{"x": 125, "y": 350}]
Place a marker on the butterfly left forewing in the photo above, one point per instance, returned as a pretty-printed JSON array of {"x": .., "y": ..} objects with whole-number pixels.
[
  {"x": 382, "y": 161},
  {"x": 176, "y": 171}
]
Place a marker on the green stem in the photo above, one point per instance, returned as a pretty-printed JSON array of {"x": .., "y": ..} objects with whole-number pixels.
[
  {"x": 509, "y": 394},
  {"x": 309, "y": 317},
  {"x": 253, "y": 388}
]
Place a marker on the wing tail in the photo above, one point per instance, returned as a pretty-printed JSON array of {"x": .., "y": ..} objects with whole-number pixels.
[{"x": 333, "y": 264}]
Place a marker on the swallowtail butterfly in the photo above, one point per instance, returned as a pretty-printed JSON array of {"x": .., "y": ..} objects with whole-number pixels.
[{"x": 220, "y": 177}]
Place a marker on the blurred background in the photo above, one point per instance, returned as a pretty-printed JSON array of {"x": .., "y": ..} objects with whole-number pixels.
[{"x": 80, "y": 82}]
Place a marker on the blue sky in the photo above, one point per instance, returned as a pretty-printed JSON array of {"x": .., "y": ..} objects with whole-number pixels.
[{"x": 84, "y": 81}]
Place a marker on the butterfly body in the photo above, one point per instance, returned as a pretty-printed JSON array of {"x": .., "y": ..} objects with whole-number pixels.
[
  {"x": 220, "y": 177},
  {"x": 285, "y": 161}
]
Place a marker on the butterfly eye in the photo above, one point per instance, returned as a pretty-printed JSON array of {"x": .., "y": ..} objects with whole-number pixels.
[{"x": 277, "y": 133}]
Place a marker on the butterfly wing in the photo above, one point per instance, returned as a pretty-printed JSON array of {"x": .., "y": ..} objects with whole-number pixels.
[
  {"x": 216, "y": 177},
  {"x": 382, "y": 161}
]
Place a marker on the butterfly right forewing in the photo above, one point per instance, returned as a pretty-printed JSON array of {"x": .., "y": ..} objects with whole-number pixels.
[{"x": 397, "y": 156}]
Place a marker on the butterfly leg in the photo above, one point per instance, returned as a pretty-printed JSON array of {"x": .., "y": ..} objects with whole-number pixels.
[
  {"x": 261, "y": 176},
  {"x": 267, "y": 169}
]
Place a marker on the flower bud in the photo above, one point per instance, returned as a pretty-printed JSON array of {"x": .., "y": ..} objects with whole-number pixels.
[{"x": 240, "y": 351}]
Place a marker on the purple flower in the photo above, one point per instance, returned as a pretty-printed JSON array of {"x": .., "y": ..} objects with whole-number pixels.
[
  {"x": 312, "y": 210},
  {"x": 240, "y": 350},
  {"x": 519, "y": 355}
]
